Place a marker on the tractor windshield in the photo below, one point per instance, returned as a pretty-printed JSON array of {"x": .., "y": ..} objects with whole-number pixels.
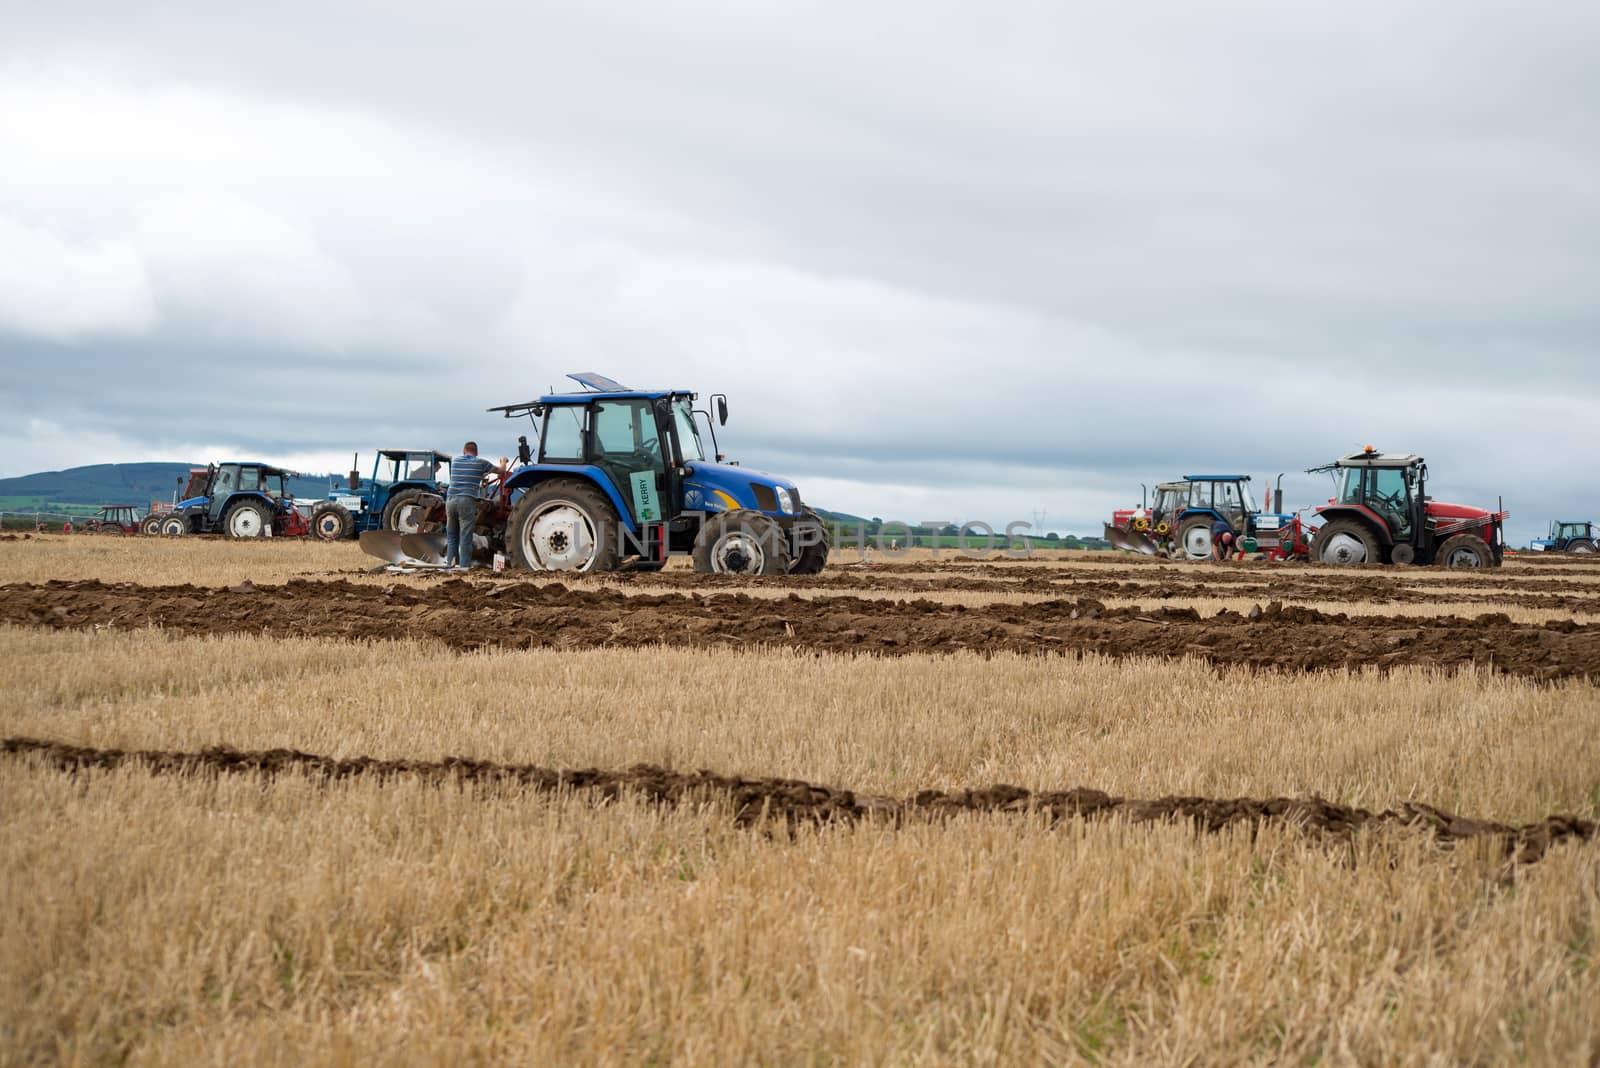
[{"x": 688, "y": 434}]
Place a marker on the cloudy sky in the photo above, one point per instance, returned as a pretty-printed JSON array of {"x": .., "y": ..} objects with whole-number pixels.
[{"x": 949, "y": 260}]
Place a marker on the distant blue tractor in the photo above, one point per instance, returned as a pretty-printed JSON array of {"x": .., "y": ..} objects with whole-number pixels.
[
  {"x": 405, "y": 485},
  {"x": 241, "y": 500},
  {"x": 622, "y": 475},
  {"x": 1567, "y": 536},
  {"x": 1227, "y": 498}
]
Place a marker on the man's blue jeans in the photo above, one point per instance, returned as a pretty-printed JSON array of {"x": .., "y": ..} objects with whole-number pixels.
[{"x": 460, "y": 515}]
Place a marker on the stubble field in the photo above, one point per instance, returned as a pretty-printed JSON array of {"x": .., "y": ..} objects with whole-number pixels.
[{"x": 1244, "y": 813}]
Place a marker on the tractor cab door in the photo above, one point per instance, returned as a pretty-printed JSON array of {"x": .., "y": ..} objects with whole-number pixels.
[
  {"x": 625, "y": 443},
  {"x": 1232, "y": 500},
  {"x": 225, "y": 485},
  {"x": 1389, "y": 493}
]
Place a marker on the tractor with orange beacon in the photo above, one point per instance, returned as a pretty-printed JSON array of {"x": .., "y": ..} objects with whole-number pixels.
[{"x": 1381, "y": 514}]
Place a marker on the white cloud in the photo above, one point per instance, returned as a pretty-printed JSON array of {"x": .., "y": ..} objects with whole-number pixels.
[{"x": 54, "y": 289}]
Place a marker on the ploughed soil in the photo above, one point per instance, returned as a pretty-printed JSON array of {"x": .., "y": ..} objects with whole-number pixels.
[
  {"x": 1176, "y": 581},
  {"x": 527, "y": 614},
  {"x": 792, "y": 801}
]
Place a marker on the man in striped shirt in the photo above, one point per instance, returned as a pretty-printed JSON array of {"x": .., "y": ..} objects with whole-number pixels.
[{"x": 467, "y": 473}]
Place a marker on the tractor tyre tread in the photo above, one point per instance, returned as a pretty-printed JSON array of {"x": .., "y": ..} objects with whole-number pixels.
[
  {"x": 1580, "y": 545},
  {"x": 811, "y": 558}
]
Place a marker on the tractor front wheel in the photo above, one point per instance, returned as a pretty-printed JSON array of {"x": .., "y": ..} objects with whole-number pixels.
[
  {"x": 332, "y": 521},
  {"x": 1194, "y": 539},
  {"x": 811, "y": 537},
  {"x": 741, "y": 542},
  {"x": 564, "y": 525},
  {"x": 248, "y": 519},
  {"x": 174, "y": 525},
  {"x": 1580, "y": 545},
  {"x": 1464, "y": 550}
]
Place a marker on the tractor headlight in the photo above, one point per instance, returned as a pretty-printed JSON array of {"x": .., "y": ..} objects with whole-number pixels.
[{"x": 785, "y": 502}]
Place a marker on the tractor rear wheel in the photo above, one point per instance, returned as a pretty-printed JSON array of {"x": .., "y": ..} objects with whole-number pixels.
[
  {"x": 407, "y": 510},
  {"x": 150, "y": 525},
  {"x": 1345, "y": 541},
  {"x": 332, "y": 521},
  {"x": 564, "y": 525},
  {"x": 813, "y": 554},
  {"x": 247, "y": 519},
  {"x": 741, "y": 542},
  {"x": 1194, "y": 539},
  {"x": 1580, "y": 545},
  {"x": 174, "y": 525},
  {"x": 1464, "y": 550}
]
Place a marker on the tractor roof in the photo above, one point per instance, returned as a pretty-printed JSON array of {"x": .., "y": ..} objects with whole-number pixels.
[
  {"x": 1370, "y": 457},
  {"x": 1216, "y": 478},
  {"x": 406, "y": 454},
  {"x": 595, "y": 387}
]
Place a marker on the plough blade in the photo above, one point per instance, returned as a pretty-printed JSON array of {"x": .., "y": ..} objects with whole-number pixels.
[
  {"x": 428, "y": 548},
  {"x": 384, "y": 544},
  {"x": 1130, "y": 541}
]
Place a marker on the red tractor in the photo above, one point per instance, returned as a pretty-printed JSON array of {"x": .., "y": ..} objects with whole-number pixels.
[
  {"x": 1383, "y": 515},
  {"x": 114, "y": 519}
]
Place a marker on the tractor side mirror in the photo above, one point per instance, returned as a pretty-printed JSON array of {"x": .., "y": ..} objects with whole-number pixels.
[{"x": 722, "y": 410}]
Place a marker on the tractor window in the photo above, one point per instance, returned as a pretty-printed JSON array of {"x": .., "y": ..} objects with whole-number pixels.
[
  {"x": 250, "y": 479},
  {"x": 1350, "y": 489},
  {"x": 227, "y": 481},
  {"x": 1227, "y": 497},
  {"x": 563, "y": 434},
  {"x": 1200, "y": 494},
  {"x": 625, "y": 428},
  {"x": 1389, "y": 494}
]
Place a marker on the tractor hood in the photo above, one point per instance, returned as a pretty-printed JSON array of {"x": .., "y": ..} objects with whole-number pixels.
[
  {"x": 1444, "y": 510},
  {"x": 712, "y": 487}
]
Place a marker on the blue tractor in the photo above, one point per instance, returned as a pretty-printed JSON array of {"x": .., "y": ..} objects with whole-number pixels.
[
  {"x": 623, "y": 475},
  {"x": 241, "y": 500},
  {"x": 1227, "y": 498},
  {"x": 405, "y": 485},
  {"x": 1567, "y": 536}
]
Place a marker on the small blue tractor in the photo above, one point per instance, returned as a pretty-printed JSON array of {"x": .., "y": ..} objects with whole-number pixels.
[
  {"x": 241, "y": 500},
  {"x": 1279, "y": 535},
  {"x": 622, "y": 475},
  {"x": 1180, "y": 522},
  {"x": 405, "y": 485},
  {"x": 1566, "y": 536}
]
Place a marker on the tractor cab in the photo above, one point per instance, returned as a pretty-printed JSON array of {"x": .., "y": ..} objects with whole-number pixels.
[
  {"x": 1380, "y": 513},
  {"x": 623, "y": 473},
  {"x": 1567, "y": 536}
]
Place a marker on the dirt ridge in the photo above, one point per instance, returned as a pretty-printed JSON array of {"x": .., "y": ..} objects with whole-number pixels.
[
  {"x": 476, "y": 615},
  {"x": 794, "y": 801}
]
